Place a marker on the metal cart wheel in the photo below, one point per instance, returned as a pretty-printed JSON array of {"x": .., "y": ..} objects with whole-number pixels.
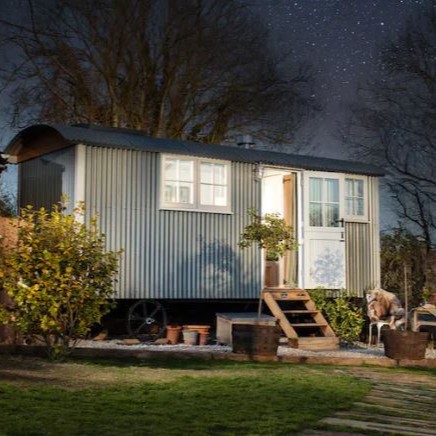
[{"x": 147, "y": 319}]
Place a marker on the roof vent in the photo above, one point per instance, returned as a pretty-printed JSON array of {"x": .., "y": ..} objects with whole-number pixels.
[{"x": 245, "y": 141}]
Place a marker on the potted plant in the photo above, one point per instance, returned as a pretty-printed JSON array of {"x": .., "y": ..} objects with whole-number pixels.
[
  {"x": 270, "y": 233},
  {"x": 274, "y": 236},
  {"x": 405, "y": 344}
]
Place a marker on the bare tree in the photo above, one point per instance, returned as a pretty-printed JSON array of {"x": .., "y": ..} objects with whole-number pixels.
[
  {"x": 394, "y": 123},
  {"x": 192, "y": 69}
]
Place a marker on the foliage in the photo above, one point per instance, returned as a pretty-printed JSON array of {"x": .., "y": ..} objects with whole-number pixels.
[
  {"x": 195, "y": 398},
  {"x": 398, "y": 248},
  {"x": 269, "y": 232},
  {"x": 199, "y": 70},
  {"x": 344, "y": 317},
  {"x": 59, "y": 278}
]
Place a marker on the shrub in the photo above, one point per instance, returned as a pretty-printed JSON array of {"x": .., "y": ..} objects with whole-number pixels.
[
  {"x": 60, "y": 278},
  {"x": 269, "y": 232},
  {"x": 344, "y": 317}
]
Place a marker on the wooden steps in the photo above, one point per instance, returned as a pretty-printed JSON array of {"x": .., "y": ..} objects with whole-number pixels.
[{"x": 304, "y": 325}]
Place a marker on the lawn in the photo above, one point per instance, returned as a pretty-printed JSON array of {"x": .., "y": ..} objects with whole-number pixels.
[{"x": 168, "y": 398}]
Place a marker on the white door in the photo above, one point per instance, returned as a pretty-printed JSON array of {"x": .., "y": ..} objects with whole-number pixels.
[{"x": 324, "y": 233}]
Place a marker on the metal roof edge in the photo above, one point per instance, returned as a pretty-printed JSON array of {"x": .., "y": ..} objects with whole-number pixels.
[{"x": 128, "y": 139}]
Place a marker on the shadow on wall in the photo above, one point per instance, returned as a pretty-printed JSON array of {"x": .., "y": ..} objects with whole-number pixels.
[
  {"x": 219, "y": 272},
  {"x": 328, "y": 269}
]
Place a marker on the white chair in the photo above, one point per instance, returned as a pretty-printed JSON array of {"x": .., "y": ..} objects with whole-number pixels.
[{"x": 379, "y": 325}]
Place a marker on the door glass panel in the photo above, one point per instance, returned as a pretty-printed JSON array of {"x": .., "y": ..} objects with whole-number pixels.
[
  {"x": 315, "y": 189},
  {"x": 331, "y": 215},
  {"x": 324, "y": 202},
  {"x": 332, "y": 190},
  {"x": 315, "y": 214}
]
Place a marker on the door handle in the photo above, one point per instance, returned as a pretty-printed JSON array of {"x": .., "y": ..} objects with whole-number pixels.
[{"x": 341, "y": 222}]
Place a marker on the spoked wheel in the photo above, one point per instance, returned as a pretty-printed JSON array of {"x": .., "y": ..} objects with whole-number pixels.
[{"x": 147, "y": 319}]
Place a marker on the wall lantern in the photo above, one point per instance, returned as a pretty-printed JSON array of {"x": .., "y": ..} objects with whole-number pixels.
[{"x": 258, "y": 171}]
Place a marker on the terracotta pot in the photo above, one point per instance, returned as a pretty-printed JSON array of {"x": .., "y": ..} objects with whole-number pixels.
[
  {"x": 198, "y": 328},
  {"x": 173, "y": 334},
  {"x": 204, "y": 336},
  {"x": 190, "y": 337}
]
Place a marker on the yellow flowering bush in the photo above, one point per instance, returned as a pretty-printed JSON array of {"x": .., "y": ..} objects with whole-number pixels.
[{"x": 60, "y": 278}]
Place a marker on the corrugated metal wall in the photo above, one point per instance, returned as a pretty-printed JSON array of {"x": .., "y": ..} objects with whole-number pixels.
[
  {"x": 363, "y": 247},
  {"x": 170, "y": 254},
  {"x": 43, "y": 180}
]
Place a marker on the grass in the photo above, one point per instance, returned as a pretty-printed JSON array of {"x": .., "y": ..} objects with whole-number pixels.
[{"x": 168, "y": 398}]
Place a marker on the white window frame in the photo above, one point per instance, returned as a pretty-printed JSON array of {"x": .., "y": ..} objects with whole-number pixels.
[
  {"x": 325, "y": 176},
  {"x": 196, "y": 206},
  {"x": 353, "y": 217}
]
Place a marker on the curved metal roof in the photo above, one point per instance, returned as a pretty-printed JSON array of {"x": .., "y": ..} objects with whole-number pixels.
[{"x": 136, "y": 140}]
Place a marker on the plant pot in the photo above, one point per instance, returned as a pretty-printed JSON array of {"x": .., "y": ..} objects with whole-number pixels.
[
  {"x": 203, "y": 338},
  {"x": 255, "y": 339},
  {"x": 405, "y": 345},
  {"x": 173, "y": 334},
  {"x": 198, "y": 328},
  {"x": 272, "y": 273},
  {"x": 190, "y": 337}
]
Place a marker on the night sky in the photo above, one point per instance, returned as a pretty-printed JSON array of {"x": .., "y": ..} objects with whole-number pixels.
[{"x": 340, "y": 38}]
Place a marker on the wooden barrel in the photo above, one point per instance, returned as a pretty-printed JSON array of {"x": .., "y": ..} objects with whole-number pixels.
[
  {"x": 405, "y": 345},
  {"x": 255, "y": 339}
]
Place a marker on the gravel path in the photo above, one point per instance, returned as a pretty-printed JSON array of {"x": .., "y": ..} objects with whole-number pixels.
[{"x": 358, "y": 351}]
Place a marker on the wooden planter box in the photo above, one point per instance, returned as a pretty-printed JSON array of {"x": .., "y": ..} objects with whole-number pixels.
[
  {"x": 255, "y": 339},
  {"x": 226, "y": 321},
  {"x": 405, "y": 345}
]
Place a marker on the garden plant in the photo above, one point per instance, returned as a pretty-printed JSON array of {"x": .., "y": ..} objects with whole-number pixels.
[{"x": 59, "y": 278}]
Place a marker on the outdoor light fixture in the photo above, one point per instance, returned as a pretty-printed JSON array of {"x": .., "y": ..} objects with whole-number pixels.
[{"x": 258, "y": 171}]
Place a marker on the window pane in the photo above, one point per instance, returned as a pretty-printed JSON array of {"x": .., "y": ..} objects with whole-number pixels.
[
  {"x": 219, "y": 174},
  {"x": 359, "y": 188},
  {"x": 186, "y": 170},
  {"x": 315, "y": 189},
  {"x": 349, "y": 206},
  {"x": 315, "y": 214},
  {"x": 170, "y": 169},
  {"x": 331, "y": 215},
  {"x": 332, "y": 190},
  {"x": 171, "y": 192},
  {"x": 185, "y": 193},
  {"x": 206, "y": 195},
  {"x": 206, "y": 173},
  {"x": 220, "y": 196},
  {"x": 359, "y": 207},
  {"x": 349, "y": 187}
]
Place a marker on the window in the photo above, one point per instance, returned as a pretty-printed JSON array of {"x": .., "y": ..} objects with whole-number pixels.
[
  {"x": 195, "y": 184},
  {"x": 355, "y": 198},
  {"x": 213, "y": 184},
  {"x": 179, "y": 181},
  {"x": 323, "y": 202}
]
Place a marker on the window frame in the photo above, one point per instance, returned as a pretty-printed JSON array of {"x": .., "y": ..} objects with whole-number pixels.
[
  {"x": 354, "y": 217},
  {"x": 196, "y": 206},
  {"x": 324, "y": 202}
]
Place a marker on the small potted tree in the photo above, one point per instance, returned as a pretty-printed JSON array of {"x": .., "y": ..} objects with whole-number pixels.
[{"x": 274, "y": 236}]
